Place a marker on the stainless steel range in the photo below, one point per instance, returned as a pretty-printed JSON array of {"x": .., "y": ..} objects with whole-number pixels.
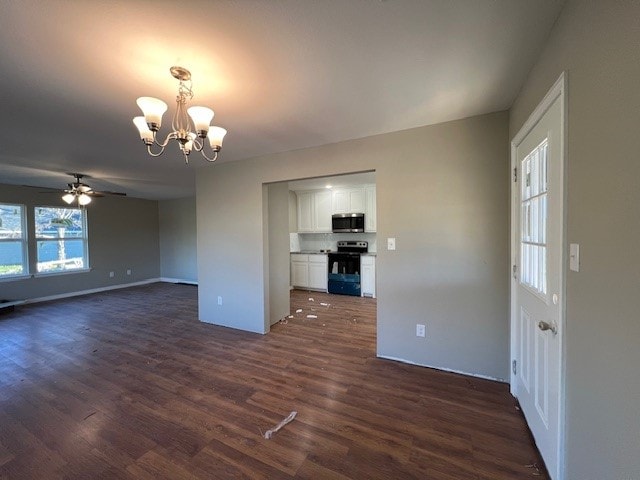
[{"x": 344, "y": 267}]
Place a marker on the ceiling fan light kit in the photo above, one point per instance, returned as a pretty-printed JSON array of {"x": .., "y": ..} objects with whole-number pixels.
[
  {"x": 81, "y": 192},
  {"x": 190, "y": 126}
]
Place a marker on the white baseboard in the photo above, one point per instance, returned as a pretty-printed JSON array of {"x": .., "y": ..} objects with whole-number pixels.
[
  {"x": 477, "y": 375},
  {"x": 177, "y": 280},
  {"x": 92, "y": 290}
]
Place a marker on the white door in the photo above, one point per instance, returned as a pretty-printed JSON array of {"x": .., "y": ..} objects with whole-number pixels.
[{"x": 537, "y": 285}]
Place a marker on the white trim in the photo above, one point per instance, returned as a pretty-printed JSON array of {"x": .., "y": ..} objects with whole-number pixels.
[
  {"x": 15, "y": 278},
  {"x": 559, "y": 89},
  {"x": 92, "y": 290},
  {"x": 177, "y": 280},
  {"x": 451, "y": 370},
  {"x": 11, "y": 303}
]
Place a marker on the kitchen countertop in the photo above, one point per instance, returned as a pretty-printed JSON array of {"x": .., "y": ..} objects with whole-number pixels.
[
  {"x": 318, "y": 252},
  {"x": 311, "y": 252}
]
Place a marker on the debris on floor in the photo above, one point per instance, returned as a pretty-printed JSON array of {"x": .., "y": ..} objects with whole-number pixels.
[
  {"x": 269, "y": 433},
  {"x": 312, "y": 316},
  {"x": 325, "y": 304},
  {"x": 290, "y": 316},
  {"x": 90, "y": 415},
  {"x": 311, "y": 299},
  {"x": 299, "y": 310},
  {"x": 535, "y": 467}
]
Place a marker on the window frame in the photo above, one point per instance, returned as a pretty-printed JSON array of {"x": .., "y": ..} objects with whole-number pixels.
[
  {"x": 84, "y": 238},
  {"x": 23, "y": 240}
]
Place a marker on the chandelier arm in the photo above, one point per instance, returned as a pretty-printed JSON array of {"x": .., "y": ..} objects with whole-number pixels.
[
  {"x": 170, "y": 136},
  {"x": 154, "y": 154},
  {"x": 215, "y": 155},
  {"x": 198, "y": 146}
]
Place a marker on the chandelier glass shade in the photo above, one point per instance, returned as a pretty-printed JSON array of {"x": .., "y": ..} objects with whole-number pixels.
[{"x": 191, "y": 127}]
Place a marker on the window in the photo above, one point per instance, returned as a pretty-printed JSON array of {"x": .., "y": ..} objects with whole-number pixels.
[
  {"x": 61, "y": 238},
  {"x": 13, "y": 241},
  {"x": 533, "y": 220}
]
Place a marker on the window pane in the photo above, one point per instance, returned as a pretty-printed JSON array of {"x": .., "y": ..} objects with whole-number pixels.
[
  {"x": 12, "y": 240},
  {"x": 533, "y": 222},
  {"x": 11, "y": 221},
  {"x": 59, "y": 222},
  {"x": 60, "y": 255},
  {"x": 61, "y": 239},
  {"x": 11, "y": 258}
]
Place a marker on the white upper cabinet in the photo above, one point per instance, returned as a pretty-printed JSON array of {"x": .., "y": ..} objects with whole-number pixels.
[
  {"x": 370, "y": 210},
  {"x": 316, "y": 207},
  {"x": 349, "y": 200},
  {"x": 314, "y": 211},
  {"x": 305, "y": 211},
  {"x": 322, "y": 214}
]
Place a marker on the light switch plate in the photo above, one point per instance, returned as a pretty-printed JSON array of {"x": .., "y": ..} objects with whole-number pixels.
[
  {"x": 391, "y": 243},
  {"x": 574, "y": 257}
]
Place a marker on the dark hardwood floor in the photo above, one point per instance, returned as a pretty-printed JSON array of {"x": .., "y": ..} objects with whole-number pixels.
[{"x": 129, "y": 384}]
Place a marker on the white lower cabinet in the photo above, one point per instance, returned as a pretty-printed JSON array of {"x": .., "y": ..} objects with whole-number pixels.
[
  {"x": 309, "y": 271},
  {"x": 368, "y": 276},
  {"x": 300, "y": 270},
  {"x": 318, "y": 272}
]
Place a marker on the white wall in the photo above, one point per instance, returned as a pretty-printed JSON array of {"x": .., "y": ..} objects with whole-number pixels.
[
  {"x": 178, "y": 250},
  {"x": 277, "y": 223},
  {"x": 442, "y": 191},
  {"x": 598, "y": 44}
]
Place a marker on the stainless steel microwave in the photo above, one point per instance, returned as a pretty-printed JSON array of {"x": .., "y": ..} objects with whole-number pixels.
[{"x": 347, "y": 222}]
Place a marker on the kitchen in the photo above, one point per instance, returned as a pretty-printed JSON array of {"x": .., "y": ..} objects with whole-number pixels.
[{"x": 332, "y": 223}]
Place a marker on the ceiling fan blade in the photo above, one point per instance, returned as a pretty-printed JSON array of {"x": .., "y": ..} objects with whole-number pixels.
[{"x": 106, "y": 192}]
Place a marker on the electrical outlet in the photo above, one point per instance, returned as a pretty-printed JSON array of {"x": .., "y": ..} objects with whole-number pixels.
[
  {"x": 219, "y": 300},
  {"x": 421, "y": 330},
  {"x": 112, "y": 274},
  {"x": 128, "y": 271}
]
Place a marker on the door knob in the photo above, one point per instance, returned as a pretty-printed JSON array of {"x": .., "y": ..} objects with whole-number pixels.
[{"x": 544, "y": 326}]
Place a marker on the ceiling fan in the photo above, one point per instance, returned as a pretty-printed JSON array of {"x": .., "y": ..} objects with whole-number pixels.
[{"x": 81, "y": 192}]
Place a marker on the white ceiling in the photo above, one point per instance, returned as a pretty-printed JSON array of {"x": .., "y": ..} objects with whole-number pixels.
[{"x": 280, "y": 74}]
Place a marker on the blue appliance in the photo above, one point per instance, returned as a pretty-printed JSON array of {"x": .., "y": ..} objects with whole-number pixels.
[{"x": 344, "y": 267}]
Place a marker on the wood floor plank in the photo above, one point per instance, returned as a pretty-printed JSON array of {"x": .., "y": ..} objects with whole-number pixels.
[{"x": 129, "y": 384}]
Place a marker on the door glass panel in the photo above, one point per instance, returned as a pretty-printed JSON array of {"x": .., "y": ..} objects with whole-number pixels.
[{"x": 533, "y": 219}]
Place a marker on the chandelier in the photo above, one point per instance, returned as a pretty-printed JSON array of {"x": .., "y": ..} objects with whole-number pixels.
[{"x": 190, "y": 130}]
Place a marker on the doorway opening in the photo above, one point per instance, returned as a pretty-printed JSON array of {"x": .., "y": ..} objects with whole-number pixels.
[{"x": 327, "y": 269}]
